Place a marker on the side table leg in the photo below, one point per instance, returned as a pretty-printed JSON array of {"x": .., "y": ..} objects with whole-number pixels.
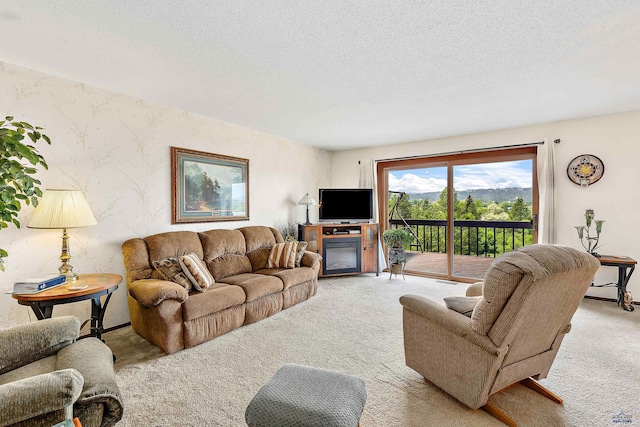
[
  {"x": 42, "y": 312},
  {"x": 623, "y": 279},
  {"x": 97, "y": 316}
]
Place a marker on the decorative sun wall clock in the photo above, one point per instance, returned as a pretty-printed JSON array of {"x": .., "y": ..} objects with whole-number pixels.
[{"x": 585, "y": 169}]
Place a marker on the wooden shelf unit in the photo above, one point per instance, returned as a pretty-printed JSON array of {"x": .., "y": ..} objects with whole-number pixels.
[{"x": 318, "y": 235}]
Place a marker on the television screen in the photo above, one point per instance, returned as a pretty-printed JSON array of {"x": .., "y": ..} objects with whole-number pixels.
[{"x": 346, "y": 205}]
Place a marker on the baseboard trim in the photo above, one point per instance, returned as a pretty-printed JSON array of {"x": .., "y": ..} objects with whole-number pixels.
[
  {"x": 113, "y": 328},
  {"x": 609, "y": 299}
]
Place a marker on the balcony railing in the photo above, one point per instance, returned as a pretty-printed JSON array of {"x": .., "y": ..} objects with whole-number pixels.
[{"x": 479, "y": 238}]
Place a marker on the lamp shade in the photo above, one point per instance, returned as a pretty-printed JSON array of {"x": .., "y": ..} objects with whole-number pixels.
[
  {"x": 62, "y": 209},
  {"x": 307, "y": 200}
]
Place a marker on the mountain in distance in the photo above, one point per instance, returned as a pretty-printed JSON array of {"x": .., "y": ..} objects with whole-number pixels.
[{"x": 487, "y": 195}]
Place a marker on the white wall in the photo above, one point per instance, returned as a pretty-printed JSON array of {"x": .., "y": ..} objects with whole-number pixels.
[
  {"x": 116, "y": 149},
  {"x": 615, "y": 198}
]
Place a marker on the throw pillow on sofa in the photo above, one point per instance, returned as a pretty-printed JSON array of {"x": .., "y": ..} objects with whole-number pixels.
[
  {"x": 283, "y": 255},
  {"x": 171, "y": 270},
  {"x": 196, "y": 270},
  {"x": 302, "y": 246}
]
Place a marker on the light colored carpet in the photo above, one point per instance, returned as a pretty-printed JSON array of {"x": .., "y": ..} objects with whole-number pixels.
[{"x": 354, "y": 325}]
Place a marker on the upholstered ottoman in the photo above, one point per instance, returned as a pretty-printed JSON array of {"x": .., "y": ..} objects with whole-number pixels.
[{"x": 301, "y": 396}]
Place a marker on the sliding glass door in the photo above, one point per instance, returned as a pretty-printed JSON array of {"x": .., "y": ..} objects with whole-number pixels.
[{"x": 462, "y": 211}]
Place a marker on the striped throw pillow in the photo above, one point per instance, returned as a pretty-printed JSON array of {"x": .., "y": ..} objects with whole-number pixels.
[
  {"x": 170, "y": 269},
  {"x": 197, "y": 272},
  {"x": 283, "y": 255}
]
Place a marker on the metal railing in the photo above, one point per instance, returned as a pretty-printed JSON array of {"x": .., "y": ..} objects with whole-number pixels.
[{"x": 479, "y": 238}]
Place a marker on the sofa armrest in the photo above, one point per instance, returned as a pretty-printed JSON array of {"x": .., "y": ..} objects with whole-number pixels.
[
  {"x": 38, "y": 395},
  {"x": 311, "y": 259},
  {"x": 151, "y": 292},
  {"x": 454, "y": 322},
  {"x": 36, "y": 340}
]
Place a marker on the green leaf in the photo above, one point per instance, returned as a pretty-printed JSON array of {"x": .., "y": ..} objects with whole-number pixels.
[
  {"x": 46, "y": 138},
  {"x": 32, "y": 136},
  {"x": 16, "y": 222},
  {"x": 26, "y": 125},
  {"x": 9, "y": 118}
]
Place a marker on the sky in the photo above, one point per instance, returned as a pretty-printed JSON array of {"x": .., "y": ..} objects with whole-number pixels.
[{"x": 465, "y": 177}]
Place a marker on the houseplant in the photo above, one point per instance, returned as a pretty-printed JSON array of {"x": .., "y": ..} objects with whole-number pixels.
[
  {"x": 18, "y": 162},
  {"x": 395, "y": 239}
]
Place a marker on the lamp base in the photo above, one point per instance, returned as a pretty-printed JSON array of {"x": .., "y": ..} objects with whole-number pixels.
[{"x": 66, "y": 268}]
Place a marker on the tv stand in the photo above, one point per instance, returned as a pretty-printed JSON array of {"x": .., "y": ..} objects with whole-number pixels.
[{"x": 345, "y": 248}]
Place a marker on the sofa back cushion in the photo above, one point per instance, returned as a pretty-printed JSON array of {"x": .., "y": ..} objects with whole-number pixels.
[
  {"x": 259, "y": 241},
  {"x": 224, "y": 253},
  {"x": 173, "y": 244},
  {"x": 139, "y": 254}
]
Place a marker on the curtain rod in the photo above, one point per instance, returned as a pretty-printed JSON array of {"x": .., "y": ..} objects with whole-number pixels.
[{"x": 473, "y": 150}]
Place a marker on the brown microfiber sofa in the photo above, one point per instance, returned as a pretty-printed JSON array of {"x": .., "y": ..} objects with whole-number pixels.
[{"x": 245, "y": 291}]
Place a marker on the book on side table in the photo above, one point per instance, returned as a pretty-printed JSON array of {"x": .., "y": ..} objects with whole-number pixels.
[{"x": 38, "y": 284}]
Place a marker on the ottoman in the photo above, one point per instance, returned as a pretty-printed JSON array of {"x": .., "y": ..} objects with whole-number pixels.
[{"x": 303, "y": 396}]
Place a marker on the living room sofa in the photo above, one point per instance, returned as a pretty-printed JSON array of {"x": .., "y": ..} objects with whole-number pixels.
[{"x": 245, "y": 290}]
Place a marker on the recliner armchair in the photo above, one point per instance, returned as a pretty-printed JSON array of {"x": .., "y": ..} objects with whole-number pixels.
[
  {"x": 513, "y": 335},
  {"x": 47, "y": 376}
]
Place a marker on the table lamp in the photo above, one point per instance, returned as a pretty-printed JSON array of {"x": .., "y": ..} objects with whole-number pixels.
[
  {"x": 307, "y": 200},
  {"x": 62, "y": 209}
]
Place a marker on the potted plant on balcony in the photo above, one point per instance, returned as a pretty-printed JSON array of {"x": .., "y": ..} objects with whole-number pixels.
[
  {"x": 18, "y": 162},
  {"x": 395, "y": 239}
]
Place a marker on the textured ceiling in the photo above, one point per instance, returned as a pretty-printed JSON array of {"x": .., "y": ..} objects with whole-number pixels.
[{"x": 342, "y": 74}]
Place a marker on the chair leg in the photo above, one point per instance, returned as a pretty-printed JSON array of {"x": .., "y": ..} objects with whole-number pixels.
[
  {"x": 535, "y": 386},
  {"x": 496, "y": 413}
]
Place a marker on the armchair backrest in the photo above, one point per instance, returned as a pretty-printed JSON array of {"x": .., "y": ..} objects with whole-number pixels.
[{"x": 530, "y": 296}]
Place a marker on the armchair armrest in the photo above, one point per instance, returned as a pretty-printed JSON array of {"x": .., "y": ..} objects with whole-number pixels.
[
  {"x": 94, "y": 361},
  {"x": 151, "y": 292},
  {"x": 474, "y": 290},
  {"x": 39, "y": 395},
  {"x": 311, "y": 259},
  {"x": 454, "y": 322},
  {"x": 27, "y": 343}
]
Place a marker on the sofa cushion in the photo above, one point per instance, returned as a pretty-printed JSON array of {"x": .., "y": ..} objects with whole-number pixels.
[
  {"x": 224, "y": 253},
  {"x": 259, "y": 241},
  {"x": 290, "y": 276},
  {"x": 217, "y": 298},
  {"x": 283, "y": 255},
  {"x": 173, "y": 244},
  {"x": 256, "y": 285},
  {"x": 196, "y": 271},
  {"x": 171, "y": 270}
]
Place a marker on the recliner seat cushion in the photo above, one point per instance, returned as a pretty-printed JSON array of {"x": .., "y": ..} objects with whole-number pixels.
[
  {"x": 218, "y": 297},
  {"x": 256, "y": 285}
]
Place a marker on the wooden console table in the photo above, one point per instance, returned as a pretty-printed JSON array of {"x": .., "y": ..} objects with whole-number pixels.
[
  {"x": 325, "y": 237},
  {"x": 625, "y": 266},
  {"x": 97, "y": 285}
]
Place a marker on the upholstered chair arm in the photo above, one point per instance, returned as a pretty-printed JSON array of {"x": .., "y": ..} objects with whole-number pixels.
[
  {"x": 100, "y": 394},
  {"x": 53, "y": 392},
  {"x": 456, "y": 323},
  {"x": 474, "y": 290},
  {"x": 27, "y": 343},
  {"x": 151, "y": 292},
  {"x": 311, "y": 259}
]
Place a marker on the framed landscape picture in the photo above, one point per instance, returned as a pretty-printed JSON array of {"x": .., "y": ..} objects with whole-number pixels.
[{"x": 208, "y": 187}]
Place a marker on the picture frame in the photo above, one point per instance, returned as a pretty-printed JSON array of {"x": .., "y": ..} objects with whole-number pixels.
[{"x": 208, "y": 187}]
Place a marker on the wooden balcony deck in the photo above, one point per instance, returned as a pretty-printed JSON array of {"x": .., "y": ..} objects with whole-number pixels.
[{"x": 465, "y": 266}]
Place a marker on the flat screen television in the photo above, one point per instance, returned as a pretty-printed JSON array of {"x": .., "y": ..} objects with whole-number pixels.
[{"x": 343, "y": 205}]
